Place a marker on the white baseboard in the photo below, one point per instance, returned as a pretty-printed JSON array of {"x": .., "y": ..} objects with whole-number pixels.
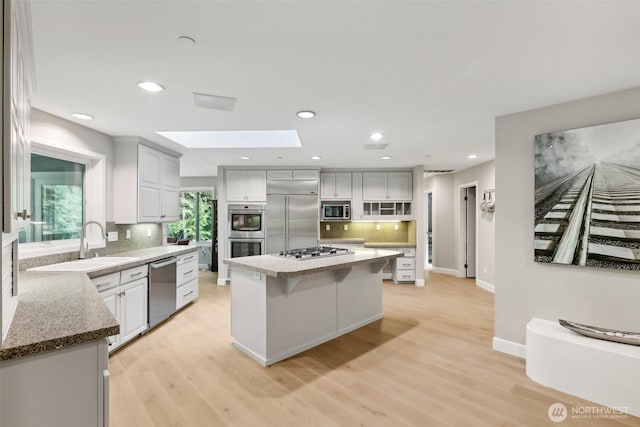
[
  {"x": 449, "y": 271},
  {"x": 222, "y": 281},
  {"x": 486, "y": 286},
  {"x": 419, "y": 282},
  {"x": 510, "y": 347}
]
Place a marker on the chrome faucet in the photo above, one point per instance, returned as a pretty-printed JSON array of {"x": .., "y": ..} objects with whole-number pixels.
[{"x": 83, "y": 236}]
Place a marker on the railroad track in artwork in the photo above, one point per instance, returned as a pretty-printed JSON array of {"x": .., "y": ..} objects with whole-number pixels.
[{"x": 591, "y": 217}]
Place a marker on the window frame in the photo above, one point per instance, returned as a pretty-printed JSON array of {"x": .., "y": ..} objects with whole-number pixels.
[
  {"x": 94, "y": 197},
  {"x": 202, "y": 189}
]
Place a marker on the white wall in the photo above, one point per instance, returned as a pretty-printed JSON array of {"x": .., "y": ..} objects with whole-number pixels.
[
  {"x": 47, "y": 127},
  {"x": 444, "y": 256},
  {"x": 524, "y": 288},
  {"x": 484, "y": 178}
]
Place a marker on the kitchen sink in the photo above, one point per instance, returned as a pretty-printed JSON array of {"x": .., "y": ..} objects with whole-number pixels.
[{"x": 88, "y": 264}]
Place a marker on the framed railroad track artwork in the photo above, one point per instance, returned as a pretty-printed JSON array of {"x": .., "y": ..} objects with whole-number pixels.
[{"x": 587, "y": 196}]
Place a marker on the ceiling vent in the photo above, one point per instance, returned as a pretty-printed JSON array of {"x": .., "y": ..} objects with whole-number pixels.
[
  {"x": 214, "y": 102},
  {"x": 376, "y": 146},
  {"x": 438, "y": 170}
]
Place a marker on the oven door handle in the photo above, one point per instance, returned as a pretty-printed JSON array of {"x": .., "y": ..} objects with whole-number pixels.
[{"x": 164, "y": 262}]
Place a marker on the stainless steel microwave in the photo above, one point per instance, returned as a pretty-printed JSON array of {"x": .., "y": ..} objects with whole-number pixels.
[{"x": 336, "y": 211}]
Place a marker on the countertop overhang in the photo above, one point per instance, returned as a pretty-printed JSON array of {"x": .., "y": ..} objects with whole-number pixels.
[{"x": 275, "y": 266}]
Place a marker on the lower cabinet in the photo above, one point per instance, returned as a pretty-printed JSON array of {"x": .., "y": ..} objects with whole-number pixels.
[
  {"x": 186, "y": 279},
  {"x": 126, "y": 298},
  {"x": 67, "y": 387},
  {"x": 404, "y": 270}
]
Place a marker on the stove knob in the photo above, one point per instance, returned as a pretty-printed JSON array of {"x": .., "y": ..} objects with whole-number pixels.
[
  {"x": 282, "y": 253},
  {"x": 333, "y": 251},
  {"x": 298, "y": 255}
]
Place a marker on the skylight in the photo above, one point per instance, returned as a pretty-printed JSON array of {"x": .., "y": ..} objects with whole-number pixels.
[{"x": 235, "y": 139}]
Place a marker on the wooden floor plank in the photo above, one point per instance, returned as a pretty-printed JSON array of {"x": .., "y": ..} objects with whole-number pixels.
[{"x": 429, "y": 362}]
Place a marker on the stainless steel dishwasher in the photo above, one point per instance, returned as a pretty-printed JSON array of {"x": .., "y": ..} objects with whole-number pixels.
[{"x": 162, "y": 290}]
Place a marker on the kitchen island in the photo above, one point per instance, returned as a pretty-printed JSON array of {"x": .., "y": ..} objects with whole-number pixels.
[{"x": 281, "y": 307}]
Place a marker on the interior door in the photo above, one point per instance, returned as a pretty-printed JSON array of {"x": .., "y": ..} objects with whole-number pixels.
[
  {"x": 275, "y": 224},
  {"x": 302, "y": 227}
]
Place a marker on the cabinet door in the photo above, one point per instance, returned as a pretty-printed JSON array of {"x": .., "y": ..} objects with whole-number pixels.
[
  {"x": 170, "y": 189},
  {"x": 374, "y": 186},
  {"x": 343, "y": 185},
  {"x": 328, "y": 185},
  {"x": 399, "y": 186},
  {"x": 150, "y": 184},
  {"x": 236, "y": 186},
  {"x": 256, "y": 186},
  {"x": 111, "y": 300},
  {"x": 133, "y": 309}
]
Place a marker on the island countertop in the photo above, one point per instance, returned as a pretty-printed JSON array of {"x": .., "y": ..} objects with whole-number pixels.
[{"x": 275, "y": 266}]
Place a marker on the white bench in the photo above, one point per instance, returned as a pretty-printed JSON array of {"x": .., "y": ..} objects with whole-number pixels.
[{"x": 603, "y": 372}]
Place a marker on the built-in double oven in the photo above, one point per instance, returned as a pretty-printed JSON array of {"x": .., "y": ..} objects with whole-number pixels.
[{"x": 246, "y": 230}]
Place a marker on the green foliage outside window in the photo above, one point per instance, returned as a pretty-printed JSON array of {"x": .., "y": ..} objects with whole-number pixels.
[{"x": 196, "y": 216}]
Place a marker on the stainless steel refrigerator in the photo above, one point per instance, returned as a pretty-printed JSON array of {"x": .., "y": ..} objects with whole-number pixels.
[{"x": 291, "y": 215}]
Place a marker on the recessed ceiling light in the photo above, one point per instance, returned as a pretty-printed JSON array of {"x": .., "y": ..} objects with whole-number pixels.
[
  {"x": 386, "y": 157},
  {"x": 376, "y": 136},
  {"x": 151, "y": 86},
  {"x": 315, "y": 157},
  {"x": 471, "y": 156},
  {"x": 306, "y": 114},
  {"x": 245, "y": 157},
  {"x": 82, "y": 116}
]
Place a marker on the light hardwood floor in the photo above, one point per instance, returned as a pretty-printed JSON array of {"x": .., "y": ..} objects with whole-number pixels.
[{"x": 429, "y": 362}]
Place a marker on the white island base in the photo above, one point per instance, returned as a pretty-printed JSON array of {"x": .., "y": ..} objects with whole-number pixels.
[{"x": 273, "y": 318}]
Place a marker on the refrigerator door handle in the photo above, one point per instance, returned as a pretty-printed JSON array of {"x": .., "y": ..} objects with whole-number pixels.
[{"x": 286, "y": 223}]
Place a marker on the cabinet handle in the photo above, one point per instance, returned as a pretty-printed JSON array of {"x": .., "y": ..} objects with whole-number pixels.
[
  {"x": 187, "y": 259},
  {"x": 188, "y": 293},
  {"x": 23, "y": 214},
  {"x": 136, "y": 274},
  {"x": 188, "y": 272}
]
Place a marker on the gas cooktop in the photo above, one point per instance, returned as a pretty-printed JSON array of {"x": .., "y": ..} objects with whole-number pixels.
[{"x": 312, "y": 253}]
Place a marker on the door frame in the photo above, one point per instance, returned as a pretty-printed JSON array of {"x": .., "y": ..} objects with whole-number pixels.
[{"x": 462, "y": 230}]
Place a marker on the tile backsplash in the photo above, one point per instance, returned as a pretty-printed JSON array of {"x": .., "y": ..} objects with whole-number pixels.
[
  {"x": 369, "y": 231},
  {"x": 138, "y": 240}
]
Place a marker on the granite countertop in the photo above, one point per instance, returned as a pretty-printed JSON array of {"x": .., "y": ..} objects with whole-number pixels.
[
  {"x": 367, "y": 243},
  {"x": 145, "y": 256},
  {"x": 56, "y": 310},
  {"x": 370, "y": 244},
  {"x": 60, "y": 309},
  {"x": 275, "y": 266}
]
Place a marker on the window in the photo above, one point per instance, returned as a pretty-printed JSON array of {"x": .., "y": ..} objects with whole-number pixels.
[
  {"x": 56, "y": 200},
  {"x": 68, "y": 188},
  {"x": 196, "y": 209}
]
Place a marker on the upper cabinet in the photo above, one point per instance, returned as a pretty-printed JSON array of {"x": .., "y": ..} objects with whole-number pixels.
[
  {"x": 396, "y": 186},
  {"x": 18, "y": 82},
  {"x": 246, "y": 185},
  {"x": 156, "y": 197},
  {"x": 335, "y": 185}
]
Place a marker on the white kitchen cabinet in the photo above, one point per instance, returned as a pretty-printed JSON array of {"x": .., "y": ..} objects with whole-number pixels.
[
  {"x": 186, "y": 279},
  {"x": 18, "y": 82},
  {"x": 156, "y": 197},
  {"x": 404, "y": 270},
  {"x": 246, "y": 185},
  {"x": 393, "y": 186},
  {"x": 66, "y": 387},
  {"x": 335, "y": 185},
  {"x": 125, "y": 294}
]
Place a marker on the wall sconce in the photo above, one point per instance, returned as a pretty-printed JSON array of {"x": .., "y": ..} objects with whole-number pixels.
[{"x": 488, "y": 201}]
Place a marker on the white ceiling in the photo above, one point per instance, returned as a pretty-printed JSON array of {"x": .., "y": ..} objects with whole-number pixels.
[{"x": 431, "y": 76}]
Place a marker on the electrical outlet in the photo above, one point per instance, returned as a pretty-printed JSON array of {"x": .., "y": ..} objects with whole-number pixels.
[
  {"x": 346, "y": 227},
  {"x": 378, "y": 227},
  {"x": 396, "y": 227},
  {"x": 148, "y": 232},
  {"x": 112, "y": 236},
  {"x": 128, "y": 234},
  {"x": 256, "y": 275},
  {"x": 327, "y": 227}
]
